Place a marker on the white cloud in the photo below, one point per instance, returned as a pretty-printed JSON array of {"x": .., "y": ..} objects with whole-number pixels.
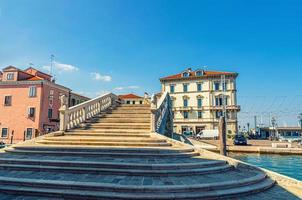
[
  {"x": 98, "y": 77},
  {"x": 119, "y": 88},
  {"x": 127, "y": 87},
  {"x": 61, "y": 67},
  {"x": 65, "y": 67},
  {"x": 133, "y": 87}
]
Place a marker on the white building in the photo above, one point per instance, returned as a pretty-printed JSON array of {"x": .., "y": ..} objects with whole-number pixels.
[{"x": 198, "y": 99}]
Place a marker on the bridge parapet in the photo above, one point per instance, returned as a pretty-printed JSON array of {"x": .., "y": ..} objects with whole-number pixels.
[
  {"x": 75, "y": 115},
  {"x": 162, "y": 115}
]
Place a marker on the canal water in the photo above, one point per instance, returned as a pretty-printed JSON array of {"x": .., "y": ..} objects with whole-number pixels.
[{"x": 289, "y": 165}]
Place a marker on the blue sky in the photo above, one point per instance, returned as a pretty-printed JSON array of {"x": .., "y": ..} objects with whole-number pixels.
[{"x": 125, "y": 46}]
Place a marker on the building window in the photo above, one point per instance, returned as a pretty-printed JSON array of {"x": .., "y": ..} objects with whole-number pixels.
[
  {"x": 199, "y": 102},
  {"x": 140, "y": 102},
  {"x": 185, "y": 103},
  {"x": 49, "y": 113},
  {"x": 31, "y": 112},
  {"x": 217, "y": 86},
  {"x": 172, "y": 102},
  {"x": 199, "y": 114},
  {"x": 225, "y": 86},
  {"x": 199, "y": 87},
  {"x": 51, "y": 92},
  {"x": 29, "y": 133},
  {"x": 219, "y": 101},
  {"x": 10, "y": 76},
  {"x": 185, "y": 87},
  {"x": 199, "y": 73},
  {"x": 7, "y": 100},
  {"x": 4, "y": 133},
  {"x": 133, "y": 102},
  {"x": 32, "y": 91},
  {"x": 172, "y": 88},
  {"x": 186, "y": 115},
  {"x": 219, "y": 114},
  {"x": 185, "y": 74},
  {"x": 128, "y": 102}
]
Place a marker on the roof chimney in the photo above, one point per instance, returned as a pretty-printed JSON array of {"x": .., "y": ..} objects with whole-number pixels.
[{"x": 189, "y": 69}]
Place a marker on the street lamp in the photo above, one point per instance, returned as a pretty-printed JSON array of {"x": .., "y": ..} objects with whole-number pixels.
[
  {"x": 300, "y": 120},
  {"x": 274, "y": 131}
]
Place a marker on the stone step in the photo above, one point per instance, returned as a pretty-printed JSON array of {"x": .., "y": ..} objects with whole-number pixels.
[
  {"x": 138, "y": 124},
  {"x": 118, "y": 171},
  {"x": 114, "y": 165},
  {"x": 128, "y": 115},
  {"x": 129, "y": 112},
  {"x": 103, "y": 154},
  {"x": 102, "y": 130},
  {"x": 90, "y": 143},
  {"x": 143, "y": 128},
  {"x": 135, "y": 105},
  {"x": 124, "y": 120},
  {"x": 107, "y": 134},
  {"x": 133, "y": 108},
  {"x": 121, "y": 125},
  {"x": 140, "y": 150},
  {"x": 83, "y": 190},
  {"x": 103, "y": 139}
]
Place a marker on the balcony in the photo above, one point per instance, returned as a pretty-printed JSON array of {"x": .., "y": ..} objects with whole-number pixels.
[{"x": 228, "y": 107}]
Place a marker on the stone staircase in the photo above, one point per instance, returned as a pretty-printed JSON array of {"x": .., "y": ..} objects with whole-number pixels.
[{"x": 114, "y": 156}]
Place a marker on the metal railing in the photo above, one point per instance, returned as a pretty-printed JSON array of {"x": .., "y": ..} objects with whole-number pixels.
[{"x": 75, "y": 115}]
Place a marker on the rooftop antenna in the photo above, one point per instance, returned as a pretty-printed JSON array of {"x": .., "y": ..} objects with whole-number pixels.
[
  {"x": 52, "y": 57},
  {"x": 205, "y": 68}
]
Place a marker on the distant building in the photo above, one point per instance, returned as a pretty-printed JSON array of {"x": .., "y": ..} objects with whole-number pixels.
[
  {"x": 131, "y": 99},
  {"x": 283, "y": 133},
  {"x": 30, "y": 104},
  {"x": 197, "y": 99},
  {"x": 75, "y": 99}
]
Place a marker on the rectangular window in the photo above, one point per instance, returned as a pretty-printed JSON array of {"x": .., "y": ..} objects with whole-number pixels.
[
  {"x": 219, "y": 114},
  {"x": 140, "y": 102},
  {"x": 10, "y": 76},
  {"x": 31, "y": 112},
  {"x": 49, "y": 113},
  {"x": 7, "y": 100},
  {"x": 133, "y": 102},
  {"x": 217, "y": 86},
  {"x": 32, "y": 91},
  {"x": 225, "y": 86},
  {"x": 185, "y": 103},
  {"x": 128, "y": 102},
  {"x": 199, "y": 114},
  {"x": 4, "y": 133},
  {"x": 29, "y": 133},
  {"x": 199, "y": 102},
  {"x": 185, "y": 87},
  {"x": 186, "y": 115},
  {"x": 199, "y": 87},
  {"x": 172, "y": 88}
]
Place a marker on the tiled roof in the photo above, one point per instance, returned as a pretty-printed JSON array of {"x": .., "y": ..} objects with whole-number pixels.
[
  {"x": 35, "y": 78},
  {"x": 129, "y": 96},
  {"x": 192, "y": 74}
]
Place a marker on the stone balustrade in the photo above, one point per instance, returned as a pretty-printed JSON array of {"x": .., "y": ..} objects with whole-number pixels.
[
  {"x": 162, "y": 115},
  {"x": 73, "y": 116}
]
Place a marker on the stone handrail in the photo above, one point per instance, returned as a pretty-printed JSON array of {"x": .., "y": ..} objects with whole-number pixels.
[
  {"x": 75, "y": 115},
  {"x": 162, "y": 115}
]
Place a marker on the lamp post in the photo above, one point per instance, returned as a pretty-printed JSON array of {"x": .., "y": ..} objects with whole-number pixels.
[
  {"x": 300, "y": 121},
  {"x": 274, "y": 128}
]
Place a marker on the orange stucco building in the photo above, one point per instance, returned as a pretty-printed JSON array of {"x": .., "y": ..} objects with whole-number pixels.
[{"x": 29, "y": 104}]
